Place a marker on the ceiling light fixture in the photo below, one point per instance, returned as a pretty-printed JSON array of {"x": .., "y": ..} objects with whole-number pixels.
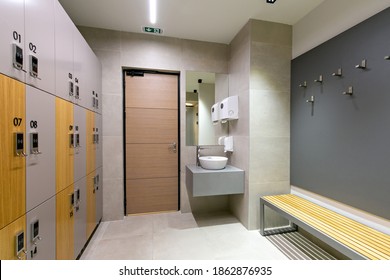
[
  {"x": 271, "y": 1},
  {"x": 153, "y": 11}
]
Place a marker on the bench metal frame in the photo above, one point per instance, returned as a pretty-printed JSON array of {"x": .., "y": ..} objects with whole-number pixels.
[{"x": 295, "y": 223}]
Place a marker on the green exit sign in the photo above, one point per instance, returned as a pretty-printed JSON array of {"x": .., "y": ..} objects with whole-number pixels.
[{"x": 153, "y": 30}]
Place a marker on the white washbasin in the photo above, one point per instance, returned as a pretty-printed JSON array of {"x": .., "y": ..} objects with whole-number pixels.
[{"x": 213, "y": 162}]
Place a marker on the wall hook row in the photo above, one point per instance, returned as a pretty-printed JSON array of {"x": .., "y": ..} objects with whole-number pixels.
[{"x": 362, "y": 65}]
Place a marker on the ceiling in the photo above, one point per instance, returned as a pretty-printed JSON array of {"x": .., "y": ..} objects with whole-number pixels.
[{"x": 204, "y": 20}]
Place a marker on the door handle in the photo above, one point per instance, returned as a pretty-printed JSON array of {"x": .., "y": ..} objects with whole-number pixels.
[{"x": 174, "y": 147}]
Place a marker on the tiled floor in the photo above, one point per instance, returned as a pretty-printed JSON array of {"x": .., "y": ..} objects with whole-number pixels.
[{"x": 176, "y": 236}]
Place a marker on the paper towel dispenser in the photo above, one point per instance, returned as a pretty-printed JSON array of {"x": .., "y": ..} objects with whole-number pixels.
[{"x": 229, "y": 108}]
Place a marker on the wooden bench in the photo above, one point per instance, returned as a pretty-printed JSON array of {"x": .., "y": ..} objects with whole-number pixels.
[{"x": 353, "y": 239}]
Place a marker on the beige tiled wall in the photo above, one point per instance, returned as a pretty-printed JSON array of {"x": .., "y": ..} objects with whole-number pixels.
[
  {"x": 119, "y": 49},
  {"x": 258, "y": 63},
  {"x": 259, "y": 70}
]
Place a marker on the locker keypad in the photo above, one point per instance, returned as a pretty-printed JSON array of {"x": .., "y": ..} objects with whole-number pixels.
[
  {"x": 19, "y": 243},
  {"x": 17, "y": 57},
  {"x": 19, "y": 144},
  {"x": 33, "y": 66},
  {"x": 34, "y": 143}
]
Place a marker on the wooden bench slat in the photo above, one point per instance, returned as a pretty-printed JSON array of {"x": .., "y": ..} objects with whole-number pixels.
[
  {"x": 340, "y": 237},
  {"x": 347, "y": 221},
  {"x": 341, "y": 233},
  {"x": 326, "y": 229},
  {"x": 368, "y": 235}
]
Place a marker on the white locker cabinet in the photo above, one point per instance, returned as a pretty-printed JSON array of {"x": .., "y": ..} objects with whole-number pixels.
[
  {"x": 40, "y": 147},
  {"x": 41, "y": 228},
  {"x": 12, "y": 38},
  {"x": 99, "y": 194},
  {"x": 80, "y": 215},
  {"x": 64, "y": 30},
  {"x": 95, "y": 72},
  {"x": 98, "y": 141},
  {"x": 80, "y": 142},
  {"x": 39, "y": 44},
  {"x": 98, "y": 85},
  {"x": 81, "y": 66}
]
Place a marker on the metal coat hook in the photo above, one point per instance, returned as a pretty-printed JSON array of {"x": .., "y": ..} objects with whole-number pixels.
[
  {"x": 387, "y": 57},
  {"x": 338, "y": 73},
  {"x": 303, "y": 85},
  {"x": 362, "y": 65},
  {"x": 349, "y": 91},
  {"x": 319, "y": 80},
  {"x": 311, "y": 100}
]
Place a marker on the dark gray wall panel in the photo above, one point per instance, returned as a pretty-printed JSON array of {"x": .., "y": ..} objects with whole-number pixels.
[{"x": 340, "y": 146}]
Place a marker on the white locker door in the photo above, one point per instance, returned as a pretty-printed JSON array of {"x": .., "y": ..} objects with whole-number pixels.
[
  {"x": 41, "y": 228},
  {"x": 64, "y": 29},
  {"x": 12, "y": 54},
  {"x": 99, "y": 194},
  {"x": 80, "y": 152},
  {"x": 97, "y": 82},
  {"x": 80, "y": 215},
  {"x": 40, "y": 147},
  {"x": 39, "y": 44},
  {"x": 81, "y": 60}
]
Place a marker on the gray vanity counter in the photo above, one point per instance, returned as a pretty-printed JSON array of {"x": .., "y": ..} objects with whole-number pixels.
[{"x": 204, "y": 182}]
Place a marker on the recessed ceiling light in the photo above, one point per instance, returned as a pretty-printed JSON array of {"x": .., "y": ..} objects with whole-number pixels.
[{"x": 153, "y": 11}]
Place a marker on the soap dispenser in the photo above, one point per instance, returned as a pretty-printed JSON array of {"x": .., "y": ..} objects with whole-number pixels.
[{"x": 229, "y": 108}]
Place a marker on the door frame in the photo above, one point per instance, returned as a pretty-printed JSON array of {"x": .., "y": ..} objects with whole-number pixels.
[{"x": 141, "y": 72}]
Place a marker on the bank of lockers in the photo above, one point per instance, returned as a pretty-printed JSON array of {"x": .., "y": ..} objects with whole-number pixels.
[{"x": 50, "y": 133}]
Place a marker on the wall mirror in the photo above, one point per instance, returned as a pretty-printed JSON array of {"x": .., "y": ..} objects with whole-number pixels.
[{"x": 203, "y": 90}]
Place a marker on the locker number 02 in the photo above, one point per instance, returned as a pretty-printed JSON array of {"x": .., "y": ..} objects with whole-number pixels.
[{"x": 32, "y": 47}]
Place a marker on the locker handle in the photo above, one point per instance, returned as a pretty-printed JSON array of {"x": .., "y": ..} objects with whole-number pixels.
[
  {"x": 24, "y": 252},
  {"x": 22, "y": 154},
  {"x": 37, "y": 239}
]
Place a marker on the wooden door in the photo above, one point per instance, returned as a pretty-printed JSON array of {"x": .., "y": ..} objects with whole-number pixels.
[{"x": 151, "y": 106}]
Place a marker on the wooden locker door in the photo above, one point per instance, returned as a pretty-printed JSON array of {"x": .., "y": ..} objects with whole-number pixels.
[
  {"x": 12, "y": 167},
  {"x": 65, "y": 224},
  {"x": 7, "y": 239},
  {"x": 64, "y": 148},
  {"x": 151, "y": 143},
  {"x": 91, "y": 204}
]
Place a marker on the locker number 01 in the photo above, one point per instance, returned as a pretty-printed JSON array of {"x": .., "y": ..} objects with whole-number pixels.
[{"x": 17, "y": 36}]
